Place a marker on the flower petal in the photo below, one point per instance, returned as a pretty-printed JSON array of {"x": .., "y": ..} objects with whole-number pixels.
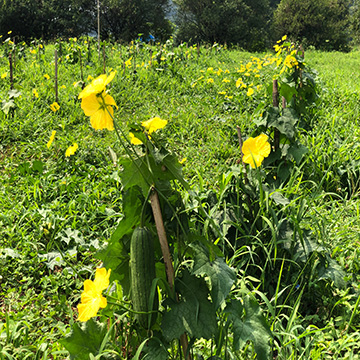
[{"x": 90, "y": 104}]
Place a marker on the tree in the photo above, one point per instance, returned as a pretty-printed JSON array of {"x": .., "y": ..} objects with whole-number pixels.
[
  {"x": 322, "y": 23},
  {"x": 45, "y": 19},
  {"x": 125, "y": 19},
  {"x": 242, "y": 22},
  {"x": 355, "y": 22}
]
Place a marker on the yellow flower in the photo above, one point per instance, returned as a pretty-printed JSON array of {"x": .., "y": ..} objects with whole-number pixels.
[
  {"x": 52, "y": 137},
  {"x": 134, "y": 140},
  {"x": 35, "y": 93},
  {"x": 284, "y": 38},
  {"x": 91, "y": 298},
  {"x": 250, "y": 91},
  {"x": 222, "y": 92},
  {"x": 225, "y": 80},
  {"x": 46, "y": 76},
  {"x": 97, "y": 86},
  {"x": 99, "y": 108},
  {"x": 238, "y": 82},
  {"x": 210, "y": 81},
  {"x": 54, "y": 106},
  {"x": 255, "y": 150},
  {"x": 154, "y": 124},
  {"x": 128, "y": 62},
  {"x": 182, "y": 161},
  {"x": 71, "y": 150},
  {"x": 4, "y": 75}
]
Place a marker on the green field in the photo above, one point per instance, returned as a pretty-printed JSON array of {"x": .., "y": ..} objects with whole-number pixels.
[{"x": 283, "y": 238}]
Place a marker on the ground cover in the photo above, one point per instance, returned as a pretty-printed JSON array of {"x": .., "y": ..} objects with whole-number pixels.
[{"x": 57, "y": 211}]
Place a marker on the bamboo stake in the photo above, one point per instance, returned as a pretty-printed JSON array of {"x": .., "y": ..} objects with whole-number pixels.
[
  {"x": 275, "y": 96},
  {"x": 169, "y": 269},
  {"x": 11, "y": 71},
  {"x": 98, "y": 26},
  {"x": 56, "y": 77}
]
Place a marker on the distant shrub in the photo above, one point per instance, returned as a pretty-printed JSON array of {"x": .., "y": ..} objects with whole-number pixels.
[{"x": 323, "y": 23}]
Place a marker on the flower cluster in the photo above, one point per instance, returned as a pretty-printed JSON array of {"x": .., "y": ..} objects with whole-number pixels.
[{"x": 97, "y": 104}]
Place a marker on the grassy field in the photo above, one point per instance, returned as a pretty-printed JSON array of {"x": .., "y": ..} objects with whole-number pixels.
[{"x": 57, "y": 211}]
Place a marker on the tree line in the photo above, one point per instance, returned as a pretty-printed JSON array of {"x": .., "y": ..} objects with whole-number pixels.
[{"x": 250, "y": 24}]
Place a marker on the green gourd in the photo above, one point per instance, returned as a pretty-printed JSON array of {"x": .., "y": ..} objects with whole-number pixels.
[{"x": 142, "y": 270}]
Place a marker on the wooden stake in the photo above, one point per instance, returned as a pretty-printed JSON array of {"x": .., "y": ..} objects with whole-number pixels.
[
  {"x": 104, "y": 59},
  {"x": 275, "y": 96},
  {"x": 56, "y": 77},
  {"x": 11, "y": 71},
  {"x": 164, "y": 245},
  {"x": 98, "y": 26}
]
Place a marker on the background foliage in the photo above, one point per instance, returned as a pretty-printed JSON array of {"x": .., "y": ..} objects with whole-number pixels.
[{"x": 252, "y": 25}]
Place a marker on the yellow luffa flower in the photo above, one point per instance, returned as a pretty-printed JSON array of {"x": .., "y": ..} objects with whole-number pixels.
[
  {"x": 55, "y": 106},
  {"x": 71, "y": 150},
  {"x": 52, "y": 137},
  {"x": 97, "y": 104},
  {"x": 255, "y": 150},
  {"x": 154, "y": 124},
  {"x": 134, "y": 140},
  {"x": 97, "y": 86},
  {"x": 250, "y": 91},
  {"x": 91, "y": 298},
  {"x": 99, "y": 108}
]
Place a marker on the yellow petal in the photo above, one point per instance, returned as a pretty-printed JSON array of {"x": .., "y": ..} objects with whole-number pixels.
[
  {"x": 102, "y": 277},
  {"x": 134, "y": 140},
  {"x": 154, "y": 124},
  {"x": 101, "y": 119},
  {"x": 90, "y": 104}
]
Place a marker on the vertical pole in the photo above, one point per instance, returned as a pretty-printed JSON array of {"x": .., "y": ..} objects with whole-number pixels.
[
  {"x": 275, "y": 96},
  {"x": 104, "y": 59},
  {"x": 56, "y": 77},
  {"x": 169, "y": 269},
  {"x": 98, "y": 26},
  {"x": 11, "y": 71}
]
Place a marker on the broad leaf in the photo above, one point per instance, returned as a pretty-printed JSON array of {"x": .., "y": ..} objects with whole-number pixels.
[
  {"x": 222, "y": 277},
  {"x": 285, "y": 123},
  {"x": 249, "y": 324},
  {"x": 288, "y": 91},
  {"x": 115, "y": 254},
  {"x": 155, "y": 350},
  {"x": 84, "y": 340},
  {"x": 193, "y": 314}
]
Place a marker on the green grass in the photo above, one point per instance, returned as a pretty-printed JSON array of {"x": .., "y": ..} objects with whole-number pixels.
[{"x": 56, "y": 212}]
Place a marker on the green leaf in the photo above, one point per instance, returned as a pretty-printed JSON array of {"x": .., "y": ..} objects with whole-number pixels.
[
  {"x": 279, "y": 198},
  {"x": 136, "y": 173},
  {"x": 115, "y": 255},
  {"x": 297, "y": 151},
  {"x": 249, "y": 324},
  {"x": 7, "y": 106},
  {"x": 84, "y": 340},
  {"x": 285, "y": 123},
  {"x": 287, "y": 91},
  {"x": 222, "y": 277},
  {"x": 155, "y": 350},
  {"x": 194, "y": 313},
  {"x": 334, "y": 272}
]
